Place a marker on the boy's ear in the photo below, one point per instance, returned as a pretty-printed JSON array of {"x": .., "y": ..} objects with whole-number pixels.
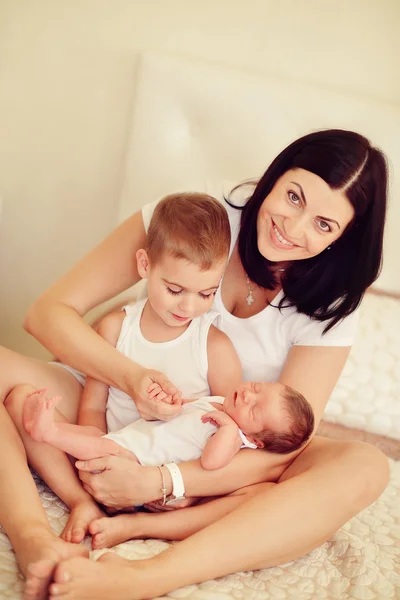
[
  {"x": 142, "y": 263},
  {"x": 253, "y": 440}
]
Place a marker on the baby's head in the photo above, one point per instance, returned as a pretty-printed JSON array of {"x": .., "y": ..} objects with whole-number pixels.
[
  {"x": 185, "y": 256},
  {"x": 272, "y": 415}
]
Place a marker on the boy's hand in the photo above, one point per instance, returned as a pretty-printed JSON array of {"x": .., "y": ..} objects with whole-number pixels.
[
  {"x": 149, "y": 408},
  {"x": 218, "y": 418}
]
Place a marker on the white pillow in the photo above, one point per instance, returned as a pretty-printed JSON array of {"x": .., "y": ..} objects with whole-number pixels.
[{"x": 367, "y": 395}]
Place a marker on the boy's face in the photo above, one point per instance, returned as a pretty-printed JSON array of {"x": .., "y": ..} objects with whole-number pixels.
[
  {"x": 256, "y": 407},
  {"x": 179, "y": 290}
]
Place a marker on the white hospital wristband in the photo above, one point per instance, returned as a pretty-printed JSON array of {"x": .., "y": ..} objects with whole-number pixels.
[{"x": 178, "y": 487}]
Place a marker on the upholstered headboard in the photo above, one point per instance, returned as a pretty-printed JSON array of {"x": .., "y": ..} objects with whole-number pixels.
[{"x": 193, "y": 122}]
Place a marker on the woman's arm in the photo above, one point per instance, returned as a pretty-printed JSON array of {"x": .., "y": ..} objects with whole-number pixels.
[
  {"x": 311, "y": 370},
  {"x": 55, "y": 319},
  {"x": 314, "y": 371}
]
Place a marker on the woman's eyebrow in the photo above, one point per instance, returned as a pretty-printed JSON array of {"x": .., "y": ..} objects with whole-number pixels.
[{"x": 303, "y": 197}]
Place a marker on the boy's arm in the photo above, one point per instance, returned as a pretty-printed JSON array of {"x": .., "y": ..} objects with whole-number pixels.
[
  {"x": 92, "y": 407},
  {"x": 224, "y": 368},
  {"x": 224, "y": 444}
]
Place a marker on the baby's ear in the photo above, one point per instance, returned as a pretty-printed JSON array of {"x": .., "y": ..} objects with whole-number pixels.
[
  {"x": 142, "y": 263},
  {"x": 253, "y": 440}
]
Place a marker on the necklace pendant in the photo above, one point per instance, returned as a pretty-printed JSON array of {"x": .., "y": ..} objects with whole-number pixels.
[{"x": 250, "y": 298}]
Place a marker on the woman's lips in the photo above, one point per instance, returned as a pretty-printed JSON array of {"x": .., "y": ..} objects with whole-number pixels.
[{"x": 279, "y": 240}]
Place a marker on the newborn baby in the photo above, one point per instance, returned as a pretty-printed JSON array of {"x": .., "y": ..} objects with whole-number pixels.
[{"x": 272, "y": 416}]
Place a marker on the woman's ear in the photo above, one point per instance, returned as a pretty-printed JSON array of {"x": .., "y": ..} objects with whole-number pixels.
[{"x": 142, "y": 263}]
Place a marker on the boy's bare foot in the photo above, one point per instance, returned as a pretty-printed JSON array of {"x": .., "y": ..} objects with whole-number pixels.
[
  {"x": 108, "y": 532},
  {"x": 80, "y": 579},
  {"x": 31, "y": 407},
  {"x": 79, "y": 520},
  {"x": 37, "y": 555}
]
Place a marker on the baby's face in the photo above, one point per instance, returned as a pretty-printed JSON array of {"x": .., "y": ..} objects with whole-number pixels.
[{"x": 256, "y": 407}]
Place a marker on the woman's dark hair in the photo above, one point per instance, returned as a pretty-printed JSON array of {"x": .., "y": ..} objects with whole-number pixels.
[{"x": 329, "y": 286}]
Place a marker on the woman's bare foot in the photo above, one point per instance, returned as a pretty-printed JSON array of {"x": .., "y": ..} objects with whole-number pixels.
[
  {"x": 81, "y": 579},
  {"x": 80, "y": 517},
  {"x": 110, "y": 531},
  {"x": 37, "y": 555}
]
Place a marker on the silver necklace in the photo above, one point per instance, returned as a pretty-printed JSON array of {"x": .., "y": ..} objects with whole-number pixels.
[{"x": 250, "y": 297}]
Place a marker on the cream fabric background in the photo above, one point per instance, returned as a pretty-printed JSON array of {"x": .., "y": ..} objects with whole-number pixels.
[{"x": 67, "y": 73}]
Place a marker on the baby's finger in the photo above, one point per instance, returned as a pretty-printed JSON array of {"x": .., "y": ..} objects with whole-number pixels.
[
  {"x": 155, "y": 391},
  {"x": 168, "y": 400}
]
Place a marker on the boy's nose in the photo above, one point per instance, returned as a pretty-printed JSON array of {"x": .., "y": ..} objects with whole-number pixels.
[{"x": 186, "y": 305}]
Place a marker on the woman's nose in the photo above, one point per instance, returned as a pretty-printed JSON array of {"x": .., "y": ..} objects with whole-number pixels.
[{"x": 294, "y": 227}]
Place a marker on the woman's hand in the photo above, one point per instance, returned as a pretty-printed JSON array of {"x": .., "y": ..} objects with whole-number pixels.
[
  {"x": 120, "y": 482},
  {"x": 164, "y": 405}
]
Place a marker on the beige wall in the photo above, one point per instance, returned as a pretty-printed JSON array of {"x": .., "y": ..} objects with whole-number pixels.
[{"x": 66, "y": 86}]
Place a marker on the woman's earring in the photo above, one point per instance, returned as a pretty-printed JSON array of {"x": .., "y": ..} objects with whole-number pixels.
[{"x": 328, "y": 248}]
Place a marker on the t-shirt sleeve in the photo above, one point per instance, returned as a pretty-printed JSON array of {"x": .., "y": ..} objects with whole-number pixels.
[{"x": 310, "y": 333}]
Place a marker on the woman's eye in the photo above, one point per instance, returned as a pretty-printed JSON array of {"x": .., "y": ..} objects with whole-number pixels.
[
  {"x": 174, "y": 292},
  {"x": 324, "y": 226},
  {"x": 294, "y": 199}
]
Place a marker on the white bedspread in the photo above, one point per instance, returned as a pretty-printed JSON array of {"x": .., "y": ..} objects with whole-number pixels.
[
  {"x": 362, "y": 560},
  {"x": 359, "y": 562}
]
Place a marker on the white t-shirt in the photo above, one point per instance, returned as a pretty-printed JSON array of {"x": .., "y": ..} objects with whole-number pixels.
[{"x": 264, "y": 340}]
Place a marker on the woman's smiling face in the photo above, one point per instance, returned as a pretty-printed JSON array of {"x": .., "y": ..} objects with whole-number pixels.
[{"x": 301, "y": 217}]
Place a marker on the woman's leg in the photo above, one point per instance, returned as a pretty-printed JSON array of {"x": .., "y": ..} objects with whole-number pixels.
[
  {"x": 54, "y": 467},
  {"x": 22, "y": 514},
  {"x": 277, "y": 525},
  {"x": 169, "y": 525}
]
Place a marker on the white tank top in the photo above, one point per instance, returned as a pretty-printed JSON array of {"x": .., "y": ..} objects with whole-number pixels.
[
  {"x": 183, "y": 360},
  {"x": 179, "y": 440}
]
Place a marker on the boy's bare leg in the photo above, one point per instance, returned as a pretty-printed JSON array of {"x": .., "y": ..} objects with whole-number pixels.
[
  {"x": 56, "y": 470},
  {"x": 22, "y": 514},
  {"x": 44, "y": 424},
  {"x": 169, "y": 525}
]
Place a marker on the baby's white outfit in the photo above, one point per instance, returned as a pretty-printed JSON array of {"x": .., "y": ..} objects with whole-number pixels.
[
  {"x": 181, "y": 439},
  {"x": 183, "y": 360}
]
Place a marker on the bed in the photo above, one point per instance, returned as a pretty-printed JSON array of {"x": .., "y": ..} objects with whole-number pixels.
[{"x": 182, "y": 132}]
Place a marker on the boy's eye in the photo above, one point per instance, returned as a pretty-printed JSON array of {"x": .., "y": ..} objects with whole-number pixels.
[
  {"x": 174, "y": 292},
  {"x": 207, "y": 296}
]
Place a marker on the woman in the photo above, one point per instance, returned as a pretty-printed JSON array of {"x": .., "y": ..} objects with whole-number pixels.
[{"x": 309, "y": 243}]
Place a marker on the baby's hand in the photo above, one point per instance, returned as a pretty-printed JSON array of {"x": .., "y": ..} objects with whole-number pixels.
[
  {"x": 156, "y": 393},
  {"x": 218, "y": 418}
]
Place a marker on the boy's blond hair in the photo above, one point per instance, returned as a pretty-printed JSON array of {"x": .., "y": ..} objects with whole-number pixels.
[{"x": 191, "y": 226}]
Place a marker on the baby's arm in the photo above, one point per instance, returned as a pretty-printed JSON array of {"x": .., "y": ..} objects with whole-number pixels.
[
  {"x": 92, "y": 408},
  {"x": 224, "y": 368},
  {"x": 224, "y": 444}
]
